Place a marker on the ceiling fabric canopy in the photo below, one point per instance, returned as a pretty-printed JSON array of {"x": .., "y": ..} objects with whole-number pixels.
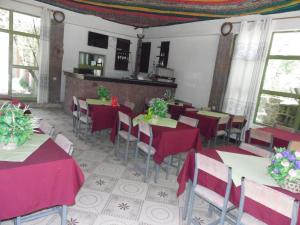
[{"x": 148, "y": 13}]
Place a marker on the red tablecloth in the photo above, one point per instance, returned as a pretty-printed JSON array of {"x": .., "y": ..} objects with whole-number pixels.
[
  {"x": 261, "y": 212},
  {"x": 177, "y": 110},
  {"x": 169, "y": 141},
  {"x": 104, "y": 116},
  {"x": 281, "y": 137},
  {"x": 47, "y": 178}
]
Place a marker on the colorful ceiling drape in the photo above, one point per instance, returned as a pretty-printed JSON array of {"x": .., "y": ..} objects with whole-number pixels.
[{"x": 147, "y": 13}]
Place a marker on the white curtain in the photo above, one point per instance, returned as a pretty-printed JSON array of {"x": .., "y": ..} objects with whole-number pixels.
[
  {"x": 246, "y": 68},
  {"x": 43, "y": 85}
]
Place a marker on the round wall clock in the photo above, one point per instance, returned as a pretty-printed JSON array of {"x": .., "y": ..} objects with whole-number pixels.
[
  {"x": 226, "y": 28},
  {"x": 58, "y": 16}
]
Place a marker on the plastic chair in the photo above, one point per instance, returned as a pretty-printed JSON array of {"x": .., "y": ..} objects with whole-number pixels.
[
  {"x": 261, "y": 136},
  {"x": 64, "y": 143},
  {"x": 126, "y": 135},
  {"x": 188, "y": 121},
  {"x": 46, "y": 128},
  {"x": 145, "y": 128},
  {"x": 75, "y": 113},
  {"x": 129, "y": 104},
  {"x": 215, "y": 200},
  {"x": 239, "y": 122},
  {"x": 294, "y": 146},
  {"x": 256, "y": 150},
  {"x": 222, "y": 121},
  {"x": 269, "y": 197},
  {"x": 84, "y": 117}
]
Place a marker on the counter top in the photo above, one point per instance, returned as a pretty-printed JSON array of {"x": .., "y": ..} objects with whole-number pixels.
[{"x": 120, "y": 80}]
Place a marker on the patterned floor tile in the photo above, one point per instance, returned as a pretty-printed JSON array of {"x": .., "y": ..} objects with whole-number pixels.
[
  {"x": 131, "y": 189},
  {"x": 92, "y": 201},
  {"x": 109, "y": 220},
  {"x": 87, "y": 166},
  {"x": 123, "y": 207},
  {"x": 109, "y": 169},
  {"x": 78, "y": 217},
  {"x": 96, "y": 155},
  {"x": 159, "y": 214},
  {"x": 162, "y": 194},
  {"x": 100, "y": 183},
  {"x": 132, "y": 174}
]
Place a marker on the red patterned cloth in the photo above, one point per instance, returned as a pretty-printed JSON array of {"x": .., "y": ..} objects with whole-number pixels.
[
  {"x": 254, "y": 208},
  {"x": 281, "y": 137},
  {"x": 168, "y": 141},
  {"x": 47, "y": 178}
]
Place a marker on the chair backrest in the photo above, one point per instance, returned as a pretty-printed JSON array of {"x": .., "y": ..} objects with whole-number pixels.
[
  {"x": 260, "y": 135},
  {"x": 256, "y": 150},
  {"x": 269, "y": 197},
  {"x": 191, "y": 109},
  {"x": 223, "y": 120},
  {"x": 238, "y": 119},
  {"x": 145, "y": 128},
  {"x": 64, "y": 143},
  {"x": 129, "y": 104},
  {"x": 281, "y": 127},
  {"x": 83, "y": 104},
  {"x": 124, "y": 118},
  {"x": 75, "y": 101},
  {"x": 188, "y": 121},
  {"x": 46, "y": 128},
  {"x": 294, "y": 145},
  {"x": 212, "y": 167}
]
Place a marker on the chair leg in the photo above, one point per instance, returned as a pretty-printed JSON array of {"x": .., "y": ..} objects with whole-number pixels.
[
  {"x": 187, "y": 198},
  {"x": 191, "y": 206},
  {"x": 117, "y": 148},
  {"x": 64, "y": 212},
  {"x": 178, "y": 165},
  {"x": 210, "y": 210},
  {"x": 168, "y": 166},
  {"x": 17, "y": 221},
  {"x": 147, "y": 168},
  {"x": 86, "y": 132},
  {"x": 156, "y": 172},
  {"x": 136, "y": 153},
  {"x": 126, "y": 151}
]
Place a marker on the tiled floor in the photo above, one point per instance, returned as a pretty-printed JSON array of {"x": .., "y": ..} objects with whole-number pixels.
[{"x": 113, "y": 193}]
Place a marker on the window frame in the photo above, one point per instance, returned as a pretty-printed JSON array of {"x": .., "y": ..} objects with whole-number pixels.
[
  {"x": 11, "y": 32},
  {"x": 277, "y": 93}
]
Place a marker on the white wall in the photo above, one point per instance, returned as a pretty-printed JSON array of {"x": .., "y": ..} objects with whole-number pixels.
[{"x": 76, "y": 33}]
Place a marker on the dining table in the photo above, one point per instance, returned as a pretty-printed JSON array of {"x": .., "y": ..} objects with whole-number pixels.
[
  {"x": 177, "y": 109},
  {"x": 281, "y": 138},
  {"x": 48, "y": 177},
  {"x": 166, "y": 140},
  {"x": 263, "y": 213},
  {"x": 208, "y": 122}
]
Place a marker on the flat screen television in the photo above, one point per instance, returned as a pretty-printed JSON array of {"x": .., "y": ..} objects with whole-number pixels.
[{"x": 97, "y": 40}]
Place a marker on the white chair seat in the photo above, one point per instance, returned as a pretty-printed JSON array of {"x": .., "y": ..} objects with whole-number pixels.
[
  {"x": 124, "y": 134},
  {"x": 221, "y": 132},
  {"x": 212, "y": 196},
  {"x": 85, "y": 119},
  {"x": 235, "y": 130},
  {"x": 75, "y": 113},
  {"x": 144, "y": 147},
  {"x": 247, "y": 219}
]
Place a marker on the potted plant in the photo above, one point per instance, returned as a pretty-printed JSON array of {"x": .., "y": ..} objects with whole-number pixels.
[
  {"x": 15, "y": 126},
  {"x": 285, "y": 169},
  {"x": 103, "y": 93},
  {"x": 158, "y": 107}
]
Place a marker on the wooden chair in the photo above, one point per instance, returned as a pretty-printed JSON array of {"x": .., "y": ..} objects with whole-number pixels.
[
  {"x": 64, "y": 143},
  {"x": 46, "y": 128},
  {"x": 294, "y": 145},
  {"x": 84, "y": 117},
  {"x": 256, "y": 150},
  {"x": 126, "y": 135},
  {"x": 269, "y": 197},
  {"x": 215, "y": 200},
  {"x": 281, "y": 127},
  {"x": 222, "y": 121},
  {"x": 260, "y": 135},
  {"x": 129, "y": 104},
  {"x": 75, "y": 113},
  {"x": 146, "y": 129},
  {"x": 188, "y": 121},
  {"x": 238, "y": 123}
]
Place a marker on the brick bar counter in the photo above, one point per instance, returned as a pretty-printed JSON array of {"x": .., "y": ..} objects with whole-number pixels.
[{"x": 134, "y": 90}]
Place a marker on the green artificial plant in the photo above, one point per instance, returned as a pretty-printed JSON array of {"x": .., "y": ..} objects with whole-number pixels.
[
  {"x": 158, "y": 107},
  {"x": 103, "y": 93}
]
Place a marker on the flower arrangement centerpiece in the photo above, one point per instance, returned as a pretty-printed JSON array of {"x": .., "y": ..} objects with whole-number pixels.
[
  {"x": 168, "y": 95},
  {"x": 15, "y": 126},
  {"x": 157, "y": 107},
  {"x": 285, "y": 169},
  {"x": 103, "y": 93}
]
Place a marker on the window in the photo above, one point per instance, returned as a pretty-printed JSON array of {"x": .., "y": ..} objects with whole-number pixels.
[
  {"x": 122, "y": 54},
  {"x": 19, "y": 54},
  {"x": 164, "y": 54},
  {"x": 279, "y": 96}
]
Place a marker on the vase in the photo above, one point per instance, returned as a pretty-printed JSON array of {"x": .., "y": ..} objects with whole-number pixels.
[{"x": 9, "y": 146}]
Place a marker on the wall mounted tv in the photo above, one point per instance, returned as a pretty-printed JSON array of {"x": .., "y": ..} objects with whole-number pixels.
[{"x": 97, "y": 40}]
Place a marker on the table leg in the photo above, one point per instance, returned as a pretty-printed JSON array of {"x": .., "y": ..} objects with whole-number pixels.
[{"x": 64, "y": 212}]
